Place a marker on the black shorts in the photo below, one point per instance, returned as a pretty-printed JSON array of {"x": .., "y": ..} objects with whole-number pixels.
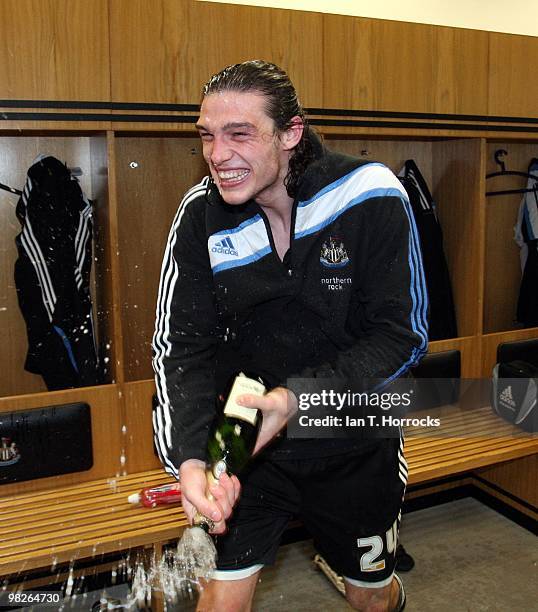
[{"x": 349, "y": 503}]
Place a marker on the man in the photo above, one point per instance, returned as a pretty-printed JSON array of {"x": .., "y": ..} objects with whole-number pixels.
[{"x": 250, "y": 281}]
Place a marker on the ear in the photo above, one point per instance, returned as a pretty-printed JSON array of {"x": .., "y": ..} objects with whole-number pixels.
[{"x": 290, "y": 138}]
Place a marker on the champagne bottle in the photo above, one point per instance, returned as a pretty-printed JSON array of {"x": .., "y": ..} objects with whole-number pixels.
[{"x": 233, "y": 436}]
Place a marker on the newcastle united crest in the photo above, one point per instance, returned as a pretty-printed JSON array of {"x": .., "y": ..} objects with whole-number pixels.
[
  {"x": 333, "y": 253},
  {"x": 9, "y": 453}
]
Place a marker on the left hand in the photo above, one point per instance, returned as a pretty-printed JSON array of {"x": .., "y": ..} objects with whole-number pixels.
[
  {"x": 277, "y": 406},
  {"x": 194, "y": 486}
]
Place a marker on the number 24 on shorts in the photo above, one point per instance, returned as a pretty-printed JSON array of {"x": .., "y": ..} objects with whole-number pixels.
[{"x": 370, "y": 560}]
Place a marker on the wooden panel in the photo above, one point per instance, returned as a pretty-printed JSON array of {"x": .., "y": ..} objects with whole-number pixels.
[
  {"x": 21, "y": 126},
  {"x": 151, "y": 42},
  {"x": 16, "y": 156},
  {"x": 139, "y": 430},
  {"x": 490, "y": 342},
  {"x": 169, "y": 49},
  {"x": 461, "y": 81},
  {"x": 458, "y": 178},
  {"x": 507, "y": 499},
  {"x": 410, "y": 133},
  {"x": 392, "y": 153},
  {"x": 105, "y": 405},
  {"x": 520, "y": 478},
  {"x": 111, "y": 344},
  {"x": 152, "y": 176},
  {"x": 503, "y": 268},
  {"x": 513, "y": 87},
  {"x": 394, "y": 66},
  {"x": 414, "y": 492},
  {"x": 54, "y": 50},
  {"x": 101, "y": 274}
]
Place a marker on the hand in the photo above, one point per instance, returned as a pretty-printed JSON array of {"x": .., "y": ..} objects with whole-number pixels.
[
  {"x": 195, "y": 490},
  {"x": 278, "y": 406}
]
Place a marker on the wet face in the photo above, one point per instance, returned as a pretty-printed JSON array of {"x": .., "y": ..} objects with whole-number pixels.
[{"x": 246, "y": 155}]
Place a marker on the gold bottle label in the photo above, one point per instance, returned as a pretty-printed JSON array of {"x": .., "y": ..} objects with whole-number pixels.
[{"x": 241, "y": 385}]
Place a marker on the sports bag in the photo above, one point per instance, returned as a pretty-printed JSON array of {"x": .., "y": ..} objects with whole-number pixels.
[{"x": 515, "y": 393}]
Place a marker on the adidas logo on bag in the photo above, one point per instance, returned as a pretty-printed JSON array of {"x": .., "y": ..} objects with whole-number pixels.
[
  {"x": 506, "y": 397},
  {"x": 225, "y": 247},
  {"x": 515, "y": 393}
]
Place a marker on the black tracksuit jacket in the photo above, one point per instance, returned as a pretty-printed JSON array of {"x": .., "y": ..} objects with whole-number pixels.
[
  {"x": 52, "y": 276},
  {"x": 348, "y": 301}
]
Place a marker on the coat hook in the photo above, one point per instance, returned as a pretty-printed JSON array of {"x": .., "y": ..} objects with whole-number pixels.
[{"x": 497, "y": 155}]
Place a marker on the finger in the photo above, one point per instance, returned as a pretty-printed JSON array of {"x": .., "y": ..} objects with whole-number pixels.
[
  {"x": 228, "y": 485},
  {"x": 206, "y": 507},
  {"x": 237, "y": 487},
  {"x": 194, "y": 490},
  {"x": 263, "y": 402},
  {"x": 221, "y": 498},
  {"x": 219, "y": 527},
  {"x": 189, "y": 510}
]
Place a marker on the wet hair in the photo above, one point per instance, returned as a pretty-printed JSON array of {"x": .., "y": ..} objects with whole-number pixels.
[{"x": 282, "y": 104}]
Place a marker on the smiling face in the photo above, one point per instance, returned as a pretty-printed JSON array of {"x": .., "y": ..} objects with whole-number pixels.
[{"x": 246, "y": 155}]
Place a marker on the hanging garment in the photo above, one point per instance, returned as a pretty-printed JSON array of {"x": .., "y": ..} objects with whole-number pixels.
[
  {"x": 442, "y": 316},
  {"x": 526, "y": 236},
  {"x": 52, "y": 276}
]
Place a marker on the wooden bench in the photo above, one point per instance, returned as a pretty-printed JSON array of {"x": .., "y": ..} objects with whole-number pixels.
[
  {"x": 48, "y": 528},
  {"x": 469, "y": 440},
  {"x": 45, "y": 529}
]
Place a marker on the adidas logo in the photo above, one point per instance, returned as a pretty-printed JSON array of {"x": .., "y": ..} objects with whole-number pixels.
[
  {"x": 507, "y": 398},
  {"x": 225, "y": 247}
]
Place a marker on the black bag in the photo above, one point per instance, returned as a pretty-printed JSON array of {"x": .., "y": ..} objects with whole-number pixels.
[
  {"x": 46, "y": 441},
  {"x": 515, "y": 394}
]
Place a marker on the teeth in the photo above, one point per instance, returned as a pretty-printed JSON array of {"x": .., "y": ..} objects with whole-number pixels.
[{"x": 233, "y": 174}]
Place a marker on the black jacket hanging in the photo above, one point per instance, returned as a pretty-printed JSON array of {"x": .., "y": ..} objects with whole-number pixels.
[
  {"x": 527, "y": 238},
  {"x": 442, "y": 317},
  {"x": 52, "y": 276}
]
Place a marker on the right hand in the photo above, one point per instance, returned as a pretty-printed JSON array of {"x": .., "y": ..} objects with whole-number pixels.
[
  {"x": 277, "y": 406},
  {"x": 195, "y": 490}
]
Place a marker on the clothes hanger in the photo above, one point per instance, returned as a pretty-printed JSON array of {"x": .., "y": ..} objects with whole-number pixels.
[
  {"x": 504, "y": 172},
  {"x": 10, "y": 189}
]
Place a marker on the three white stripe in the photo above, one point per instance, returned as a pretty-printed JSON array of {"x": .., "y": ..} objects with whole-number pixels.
[
  {"x": 403, "y": 469},
  {"x": 32, "y": 248},
  {"x": 162, "y": 421},
  {"x": 81, "y": 240},
  {"x": 35, "y": 254},
  {"x": 424, "y": 202}
]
